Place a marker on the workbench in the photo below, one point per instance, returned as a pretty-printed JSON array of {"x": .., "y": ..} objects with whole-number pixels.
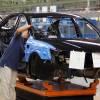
[{"x": 48, "y": 90}]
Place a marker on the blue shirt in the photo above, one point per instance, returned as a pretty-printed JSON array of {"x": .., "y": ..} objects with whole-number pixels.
[{"x": 13, "y": 54}]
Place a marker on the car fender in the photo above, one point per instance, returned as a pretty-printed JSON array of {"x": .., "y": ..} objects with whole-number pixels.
[
  {"x": 41, "y": 48},
  {"x": 43, "y": 53}
]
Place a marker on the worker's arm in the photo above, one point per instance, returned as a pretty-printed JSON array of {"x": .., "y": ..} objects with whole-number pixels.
[{"x": 22, "y": 29}]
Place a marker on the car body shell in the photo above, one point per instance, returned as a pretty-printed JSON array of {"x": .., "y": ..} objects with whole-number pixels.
[
  {"x": 46, "y": 47},
  {"x": 43, "y": 46}
]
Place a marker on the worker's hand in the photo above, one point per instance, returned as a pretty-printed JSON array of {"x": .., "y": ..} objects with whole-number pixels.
[{"x": 23, "y": 28}]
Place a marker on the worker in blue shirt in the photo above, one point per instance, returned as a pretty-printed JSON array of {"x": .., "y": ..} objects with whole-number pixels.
[{"x": 10, "y": 62}]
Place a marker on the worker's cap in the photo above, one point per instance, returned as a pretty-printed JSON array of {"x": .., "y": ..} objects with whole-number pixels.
[{"x": 23, "y": 28}]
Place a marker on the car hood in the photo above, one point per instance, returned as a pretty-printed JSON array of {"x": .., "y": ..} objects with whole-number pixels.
[{"x": 86, "y": 45}]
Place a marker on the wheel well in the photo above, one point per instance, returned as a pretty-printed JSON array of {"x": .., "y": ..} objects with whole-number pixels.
[{"x": 33, "y": 54}]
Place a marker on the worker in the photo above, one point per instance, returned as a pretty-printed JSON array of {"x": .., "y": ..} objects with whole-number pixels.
[{"x": 10, "y": 61}]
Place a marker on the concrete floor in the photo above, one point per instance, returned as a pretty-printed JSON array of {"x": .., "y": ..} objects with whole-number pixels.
[{"x": 81, "y": 81}]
